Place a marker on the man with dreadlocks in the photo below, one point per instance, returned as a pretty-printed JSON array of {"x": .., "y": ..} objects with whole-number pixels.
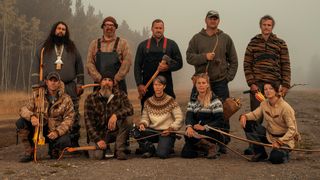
[{"x": 61, "y": 55}]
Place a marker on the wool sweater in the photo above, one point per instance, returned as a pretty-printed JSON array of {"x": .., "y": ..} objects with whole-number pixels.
[
  {"x": 160, "y": 113},
  {"x": 280, "y": 121},
  {"x": 211, "y": 115},
  {"x": 267, "y": 61}
]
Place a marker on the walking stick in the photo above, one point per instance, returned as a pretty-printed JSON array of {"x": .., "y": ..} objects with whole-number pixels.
[{"x": 38, "y": 137}]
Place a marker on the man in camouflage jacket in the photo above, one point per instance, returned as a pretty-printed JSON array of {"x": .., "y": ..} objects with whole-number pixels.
[{"x": 57, "y": 119}]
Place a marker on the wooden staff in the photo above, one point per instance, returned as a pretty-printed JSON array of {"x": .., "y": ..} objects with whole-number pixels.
[
  {"x": 259, "y": 143},
  {"x": 38, "y": 137}
]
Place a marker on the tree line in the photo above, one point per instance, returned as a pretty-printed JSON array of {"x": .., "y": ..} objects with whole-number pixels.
[{"x": 25, "y": 24}]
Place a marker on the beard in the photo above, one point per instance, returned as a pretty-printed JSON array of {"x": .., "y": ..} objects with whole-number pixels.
[
  {"x": 106, "y": 90},
  {"x": 59, "y": 40}
]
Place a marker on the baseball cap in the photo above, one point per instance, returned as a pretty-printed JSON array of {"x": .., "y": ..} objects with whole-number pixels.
[
  {"x": 212, "y": 13},
  {"x": 53, "y": 75}
]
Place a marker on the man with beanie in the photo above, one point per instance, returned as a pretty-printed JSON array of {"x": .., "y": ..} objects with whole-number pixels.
[
  {"x": 212, "y": 51},
  {"x": 105, "y": 113},
  {"x": 61, "y": 55},
  {"x": 57, "y": 119},
  {"x": 156, "y": 53},
  {"x": 109, "y": 54}
]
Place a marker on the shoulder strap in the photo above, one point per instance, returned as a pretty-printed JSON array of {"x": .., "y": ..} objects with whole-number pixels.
[
  {"x": 99, "y": 45},
  {"x": 116, "y": 44},
  {"x": 148, "y": 45},
  {"x": 164, "y": 46}
]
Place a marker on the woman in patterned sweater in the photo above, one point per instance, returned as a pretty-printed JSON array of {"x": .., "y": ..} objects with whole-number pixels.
[
  {"x": 161, "y": 114},
  {"x": 203, "y": 109}
]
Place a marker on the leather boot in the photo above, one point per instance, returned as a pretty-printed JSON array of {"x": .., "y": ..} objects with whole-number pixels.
[
  {"x": 28, "y": 148},
  {"x": 209, "y": 147}
]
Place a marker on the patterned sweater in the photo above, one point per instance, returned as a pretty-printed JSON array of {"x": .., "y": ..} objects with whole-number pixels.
[
  {"x": 211, "y": 115},
  {"x": 98, "y": 110},
  {"x": 160, "y": 113},
  {"x": 267, "y": 61}
]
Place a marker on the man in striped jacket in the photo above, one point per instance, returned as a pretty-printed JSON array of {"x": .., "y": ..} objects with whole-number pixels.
[{"x": 266, "y": 61}]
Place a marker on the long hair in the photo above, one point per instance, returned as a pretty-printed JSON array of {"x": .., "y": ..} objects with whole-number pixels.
[
  {"x": 208, "y": 94},
  {"x": 49, "y": 42}
]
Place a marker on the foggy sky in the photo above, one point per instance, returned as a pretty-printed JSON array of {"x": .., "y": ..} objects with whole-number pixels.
[{"x": 297, "y": 22}]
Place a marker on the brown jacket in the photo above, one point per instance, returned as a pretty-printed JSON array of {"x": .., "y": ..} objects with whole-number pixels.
[{"x": 59, "y": 117}]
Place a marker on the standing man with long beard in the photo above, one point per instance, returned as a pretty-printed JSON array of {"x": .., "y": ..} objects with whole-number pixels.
[
  {"x": 109, "y": 54},
  {"x": 156, "y": 53},
  {"x": 212, "y": 51},
  {"x": 61, "y": 55}
]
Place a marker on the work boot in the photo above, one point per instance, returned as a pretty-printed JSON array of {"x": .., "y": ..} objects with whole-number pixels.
[
  {"x": 54, "y": 154},
  {"x": 121, "y": 155},
  {"x": 108, "y": 153},
  {"x": 146, "y": 155},
  {"x": 249, "y": 150},
  {"x": 222, "y": 149},
  {"x": 259, "y": 157},
  {"x": 26, "y": 158},
  {"x": 209, "y": 147}
]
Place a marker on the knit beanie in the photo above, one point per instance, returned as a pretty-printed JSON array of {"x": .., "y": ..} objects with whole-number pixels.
[{"x": 111, "y": 19}]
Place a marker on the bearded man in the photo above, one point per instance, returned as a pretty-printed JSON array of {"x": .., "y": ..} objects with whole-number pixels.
[
  {"x": 105, "y": 114},
  {"x": 61, "y": 55}
]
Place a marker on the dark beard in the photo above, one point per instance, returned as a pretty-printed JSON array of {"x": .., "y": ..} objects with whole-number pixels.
[{"x": 58, "y": 40}]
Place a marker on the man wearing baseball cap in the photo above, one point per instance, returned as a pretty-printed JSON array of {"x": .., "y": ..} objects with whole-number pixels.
[
  {"x": 58, "y": 118},
  {"x": 212, "y": 51},
  {"x": 109, "y": 54}
]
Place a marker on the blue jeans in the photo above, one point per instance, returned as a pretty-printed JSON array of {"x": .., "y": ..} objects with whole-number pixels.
[{"x": 165, "y": 143}]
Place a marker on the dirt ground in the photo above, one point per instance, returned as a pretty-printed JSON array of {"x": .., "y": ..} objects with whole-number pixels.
[{"x": 229, "y": 166}]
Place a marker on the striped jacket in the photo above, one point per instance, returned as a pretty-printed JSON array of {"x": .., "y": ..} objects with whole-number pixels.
[
  {"x": 267, "y": 61},
  {"x": 98, "y": 110}
]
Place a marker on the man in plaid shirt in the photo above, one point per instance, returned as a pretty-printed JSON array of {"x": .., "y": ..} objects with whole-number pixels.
[{"x": 105, "y": 112}]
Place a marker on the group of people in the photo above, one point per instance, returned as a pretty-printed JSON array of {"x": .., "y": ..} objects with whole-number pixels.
[{"x": 107, "y": 108}]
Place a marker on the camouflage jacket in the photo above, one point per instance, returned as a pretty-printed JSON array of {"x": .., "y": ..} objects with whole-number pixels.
[{"x": 58, "y": 116}]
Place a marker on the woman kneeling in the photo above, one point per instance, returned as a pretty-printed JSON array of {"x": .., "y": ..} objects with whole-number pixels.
[
  {"x": 160, "y": 116},
  {"x": 281, "y": 127},
  {"x": 204, "y": 109}
]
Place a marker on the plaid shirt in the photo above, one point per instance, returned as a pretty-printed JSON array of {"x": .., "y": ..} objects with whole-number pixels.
[{"x": 97, "y": 112}]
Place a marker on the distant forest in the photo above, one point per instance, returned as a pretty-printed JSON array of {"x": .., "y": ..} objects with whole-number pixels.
[{"x": 24, "y": 24}]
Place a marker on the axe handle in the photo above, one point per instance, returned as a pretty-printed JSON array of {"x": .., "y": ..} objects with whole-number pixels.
[
  {"x": 89, "y": 85},
  {"x": 82, "y": 148},
  {"x": 151, "y": 79},
  {"x": 153, "y": 76}
]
